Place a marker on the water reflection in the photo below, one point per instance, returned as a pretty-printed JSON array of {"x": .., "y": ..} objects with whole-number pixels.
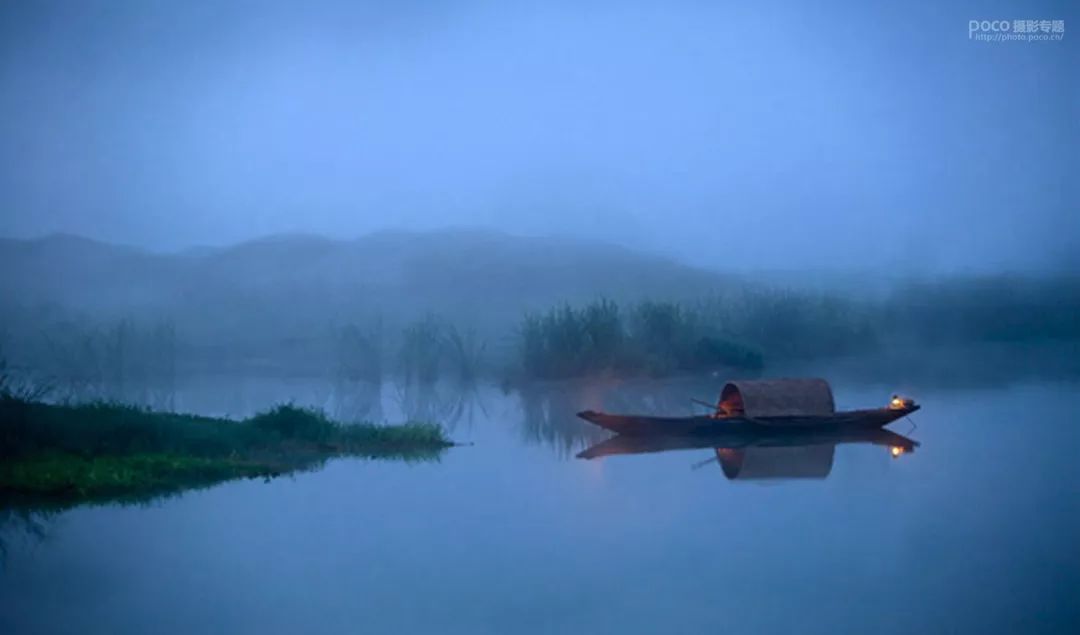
[
  {"x": 548, "y": 415},
  {"x": 23, "y": 527},
  {"x": 764, "y": 456},
  {"x": 446, "y": 403},
  {"x": 550, "y": 409},
  {"x": 355, "y": 400}
]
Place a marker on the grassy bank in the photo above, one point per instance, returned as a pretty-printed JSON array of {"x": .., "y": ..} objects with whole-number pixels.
[{"x": 97, "y": 452}]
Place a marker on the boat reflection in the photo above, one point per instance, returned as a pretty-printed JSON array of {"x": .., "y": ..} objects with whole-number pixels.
[{"x": 776, "y": 456}]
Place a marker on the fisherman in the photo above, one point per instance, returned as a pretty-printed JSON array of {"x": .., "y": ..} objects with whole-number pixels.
[{"x": 732, "y": 406}]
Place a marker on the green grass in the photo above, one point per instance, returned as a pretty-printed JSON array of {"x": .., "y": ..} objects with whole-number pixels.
[{"x": 101, "y": 451}]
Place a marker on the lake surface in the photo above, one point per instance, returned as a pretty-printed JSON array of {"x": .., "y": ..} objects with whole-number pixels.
[{"x": 975, "y": 531}]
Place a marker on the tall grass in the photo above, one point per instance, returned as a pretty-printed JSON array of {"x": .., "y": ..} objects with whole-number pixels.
[
  {"x": 121, "y": 360},
  {"x": 432, "y": 348},
  {"x": 655, "y": 338},
  {"x": 421, "y": 350},
  {"x": 464, "y": 353},
  {"x": 359, "y": 354},
  {"x": 987, "y": 309},
  {"x": 783, "y": 324},
  {"x": 743, "y": 328},
  {"x": 21, "y": 388}
]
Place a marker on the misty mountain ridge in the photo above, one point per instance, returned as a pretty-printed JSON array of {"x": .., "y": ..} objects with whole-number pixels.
[{"x": 300, "y": 280}]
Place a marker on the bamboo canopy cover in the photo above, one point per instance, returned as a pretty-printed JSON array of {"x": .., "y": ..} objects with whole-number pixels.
[{"x": 777, "y": 398}]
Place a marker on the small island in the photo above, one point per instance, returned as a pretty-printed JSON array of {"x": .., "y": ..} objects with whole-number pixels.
[{"x": 58, "y": 455}]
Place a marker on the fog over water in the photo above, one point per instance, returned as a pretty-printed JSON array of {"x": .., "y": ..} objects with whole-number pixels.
[
  {"x": 775, "y": 136},
  {"x": 323, "y": 317}
]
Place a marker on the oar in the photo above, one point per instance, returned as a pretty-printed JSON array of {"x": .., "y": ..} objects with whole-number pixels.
[
  {"x": 701, "y": 464},
  {"x": 710, "y": 406}
]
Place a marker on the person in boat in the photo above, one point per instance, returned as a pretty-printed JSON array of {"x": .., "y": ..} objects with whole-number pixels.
[{"x": 731, "y": 405}]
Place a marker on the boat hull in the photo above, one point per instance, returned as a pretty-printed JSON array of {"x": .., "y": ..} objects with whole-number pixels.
[{"x": 640, "y": 425}]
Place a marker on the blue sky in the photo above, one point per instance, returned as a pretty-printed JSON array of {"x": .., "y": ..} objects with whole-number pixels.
[{"x": 741, "y": 135}]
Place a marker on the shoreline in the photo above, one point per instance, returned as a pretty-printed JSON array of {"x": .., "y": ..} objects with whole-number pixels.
[{"x": 64, "y": 455}]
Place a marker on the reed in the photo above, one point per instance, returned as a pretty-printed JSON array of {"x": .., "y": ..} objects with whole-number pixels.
[
  {"x": 359, "y": 354},
  {"x": 432, "y": 347},
  {"x": 656, "y": 338}
]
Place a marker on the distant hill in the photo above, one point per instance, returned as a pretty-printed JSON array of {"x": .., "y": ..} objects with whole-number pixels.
[
  {"x": 281, "y": 303},
  {"x": 280, "y": 286}
]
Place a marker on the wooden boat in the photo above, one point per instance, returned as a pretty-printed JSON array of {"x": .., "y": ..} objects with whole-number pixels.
[{"x": 761, "y": 407}]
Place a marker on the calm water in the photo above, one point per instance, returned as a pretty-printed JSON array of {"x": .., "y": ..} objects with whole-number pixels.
[{"x": 974, "y": 532}]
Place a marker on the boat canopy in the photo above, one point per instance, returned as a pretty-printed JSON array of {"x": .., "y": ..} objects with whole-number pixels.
[{"x": 776, "y": 398}]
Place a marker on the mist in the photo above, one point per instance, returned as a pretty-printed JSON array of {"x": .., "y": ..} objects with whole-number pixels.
[
  {"x": 553, "y": 317},
  {"x": 775, "y": 137}
]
